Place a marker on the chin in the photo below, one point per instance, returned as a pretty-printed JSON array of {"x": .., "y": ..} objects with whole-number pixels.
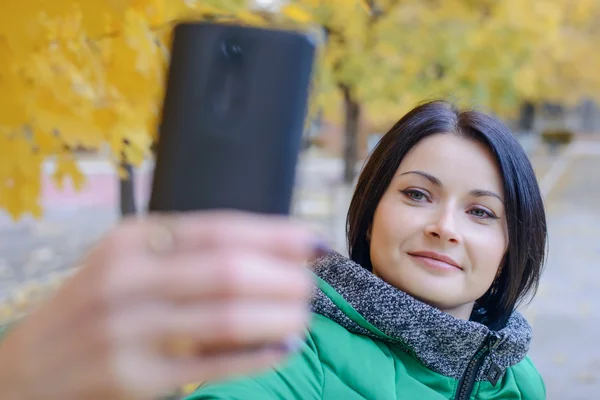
[
  {"x": 442, "y": 304},
  {"x": 442, "y": 295}
]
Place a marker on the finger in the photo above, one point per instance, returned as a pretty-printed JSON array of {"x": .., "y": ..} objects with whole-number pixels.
[
  {"x": 186, "y": 277},
  {"x": 222, "y": 230},
  {"x": 207, "y": 325},
  {"x": 232, "y": 275},
  {"x": 218, "y": 366},
  {"x": 159, "y": 376},
  {"x": 217, "y": 327}
]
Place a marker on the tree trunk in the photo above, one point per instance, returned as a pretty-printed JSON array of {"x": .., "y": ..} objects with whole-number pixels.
[
  {"x": 351, "y": 121},
  {"x": 127, "y": 191},
  {"x": 527, "y": 116}
]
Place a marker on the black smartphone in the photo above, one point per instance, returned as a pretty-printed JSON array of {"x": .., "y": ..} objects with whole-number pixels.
[{"x": 232, "y": 119}]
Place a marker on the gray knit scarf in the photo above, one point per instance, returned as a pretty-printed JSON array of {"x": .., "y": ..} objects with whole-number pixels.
[{"x": 439, "y": 341}]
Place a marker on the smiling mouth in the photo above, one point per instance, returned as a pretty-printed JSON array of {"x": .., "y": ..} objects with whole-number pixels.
[{"x": 434, "y": 260}]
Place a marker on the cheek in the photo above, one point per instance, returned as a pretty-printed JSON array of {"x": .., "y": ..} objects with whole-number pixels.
[
  {"x": 396, "y": 226},
  {"x": 487, "y": 252},
  {"x": 390, "y": 225}
]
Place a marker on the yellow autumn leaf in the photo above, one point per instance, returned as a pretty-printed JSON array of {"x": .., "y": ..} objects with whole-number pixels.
[
  {"x": 122, "y": 173},
  {"x": 250, "y": 18},
  {"x": 66, "y": 168},
  {"x": 296, "y": 13}
]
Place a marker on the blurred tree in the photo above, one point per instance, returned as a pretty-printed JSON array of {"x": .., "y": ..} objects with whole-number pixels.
[
  {"x": 383, "y": 56},
  {"x": 563, "y": 67},
  {"x": 84, "y": 74},
  {"x": 89, "y": 74}
]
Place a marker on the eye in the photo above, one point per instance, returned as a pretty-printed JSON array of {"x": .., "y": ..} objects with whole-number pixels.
[
  {"x": 482, "y": 213},
  {"x": 415, "y": 195}
]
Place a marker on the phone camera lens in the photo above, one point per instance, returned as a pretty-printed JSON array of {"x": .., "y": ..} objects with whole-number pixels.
[{"x": 231, "y": 50}]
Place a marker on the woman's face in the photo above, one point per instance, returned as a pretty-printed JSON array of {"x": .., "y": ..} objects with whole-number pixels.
[{"x": 439, "y": 232}]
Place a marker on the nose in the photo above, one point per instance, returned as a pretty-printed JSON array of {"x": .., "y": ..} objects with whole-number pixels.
[{"x": 443, "y": 226}]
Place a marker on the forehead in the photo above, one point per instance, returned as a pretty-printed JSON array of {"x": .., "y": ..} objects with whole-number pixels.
[{"x": 455, "y": 160}]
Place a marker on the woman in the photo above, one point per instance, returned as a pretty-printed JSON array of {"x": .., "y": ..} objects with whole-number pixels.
[{"x": 446, "y": 234}]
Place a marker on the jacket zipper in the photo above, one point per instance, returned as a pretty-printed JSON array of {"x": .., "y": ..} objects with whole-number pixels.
[{"x": 467, "y": 381}]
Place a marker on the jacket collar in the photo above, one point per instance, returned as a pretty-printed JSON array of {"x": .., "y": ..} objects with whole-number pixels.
[{"x": 363, "y": 303}]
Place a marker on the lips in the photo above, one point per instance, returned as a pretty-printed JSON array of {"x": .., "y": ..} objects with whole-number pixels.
[{"x": 436, "y": 256}]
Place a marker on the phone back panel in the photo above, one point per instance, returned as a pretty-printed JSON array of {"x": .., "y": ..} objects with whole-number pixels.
[{"x": 232, "y": 119}]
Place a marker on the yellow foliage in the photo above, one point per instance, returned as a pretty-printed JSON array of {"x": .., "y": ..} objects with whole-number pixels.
[
  {"x": 66, "y": 168},
  {"x": 296, "y": 13},
  {"x": 83, "y": 73},
  {"x": 491, "y": 53},
  {"x": 91, "y": 73}
]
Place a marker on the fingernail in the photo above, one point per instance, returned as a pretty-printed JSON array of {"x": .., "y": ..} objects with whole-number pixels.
[
  {"x": 292, "y": 344},
  {"x": 321, "y": 249}
]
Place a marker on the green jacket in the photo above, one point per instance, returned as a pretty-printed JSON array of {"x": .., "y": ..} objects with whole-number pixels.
[{"x": 368, "y": 340}]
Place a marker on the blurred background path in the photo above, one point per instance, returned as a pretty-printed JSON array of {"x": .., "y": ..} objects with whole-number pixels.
[{"x": 565, "y": 313}]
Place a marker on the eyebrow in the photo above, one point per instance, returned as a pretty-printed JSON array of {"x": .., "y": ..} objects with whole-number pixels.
[
  {"x": 485, "y": 193},
  {"x": 427, "y": 176},
  {"x": 437, "y": 182}
]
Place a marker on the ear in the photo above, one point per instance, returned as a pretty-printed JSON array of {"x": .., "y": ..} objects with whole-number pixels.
[{"x": 369, "y": 234}]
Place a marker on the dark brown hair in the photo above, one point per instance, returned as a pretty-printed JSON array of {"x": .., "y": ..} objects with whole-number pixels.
[{"x": 526, "y": 219}]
